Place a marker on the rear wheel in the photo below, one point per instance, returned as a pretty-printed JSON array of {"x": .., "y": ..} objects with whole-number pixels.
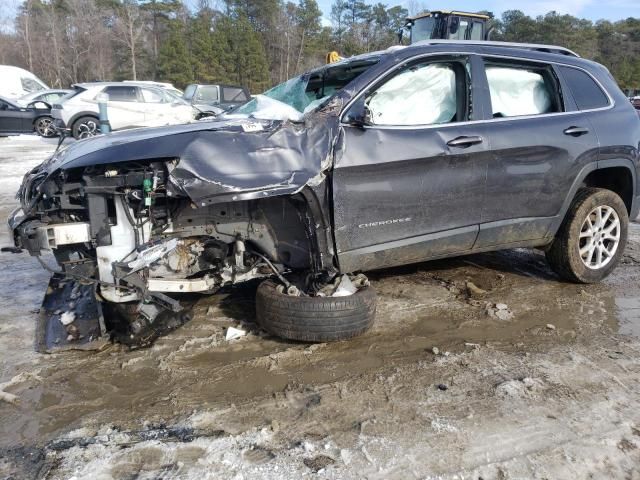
[
  {"x": 314, "y": 319},
  {"x": 86, "y": 127},
  {"x": 592, "y": 237},
  {"x": 44, "y": 127}
]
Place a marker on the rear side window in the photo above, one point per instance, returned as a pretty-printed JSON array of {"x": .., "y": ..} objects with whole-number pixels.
[
  {"x": 122, "y": 94},
  {"x": 152, "y": 96},
  {"x": 586, "y": 92},
  {"x": 232, "y": 94},
  {"x": 518, "y": 90}
]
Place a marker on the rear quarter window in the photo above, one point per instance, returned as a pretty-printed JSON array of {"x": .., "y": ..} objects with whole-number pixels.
[
  {"x": 586, "y": 92},
  {"x": 232, "y": 94}
]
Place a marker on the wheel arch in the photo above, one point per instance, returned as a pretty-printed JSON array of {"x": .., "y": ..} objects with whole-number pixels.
[{"x": 603, "y": 174}]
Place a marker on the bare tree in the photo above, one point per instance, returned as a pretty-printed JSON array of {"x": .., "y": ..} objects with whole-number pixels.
[{"x": 129, "y": 27}]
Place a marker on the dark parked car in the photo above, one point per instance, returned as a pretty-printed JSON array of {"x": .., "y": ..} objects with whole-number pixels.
[
  {"x": 215, "y": 99},
  {"x": 35, "y": 117},
  {"x": 415, "y": 153}
]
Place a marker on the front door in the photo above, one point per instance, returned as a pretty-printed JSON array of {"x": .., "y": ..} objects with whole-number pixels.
[{"x": 409, "y": 184}]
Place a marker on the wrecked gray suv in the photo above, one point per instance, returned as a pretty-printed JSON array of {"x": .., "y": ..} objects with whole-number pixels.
[{"x": 421, "y": 152}]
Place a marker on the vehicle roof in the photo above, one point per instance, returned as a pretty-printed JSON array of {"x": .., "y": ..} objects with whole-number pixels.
[
  {"x": 541, "y": 52},
  {"x": 450, "y": 12},
  {"x": 215, "y": 85},
  {"x": 48, "y": 90},
  {"x": 115, "y": 84}
]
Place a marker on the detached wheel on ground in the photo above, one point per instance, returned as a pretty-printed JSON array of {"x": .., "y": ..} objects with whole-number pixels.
[
  {"x": 592, "y": 237},
  {"x": 44, "y": 127},
  {"x": 314, "y": 319},
  {"x": 85, "y": 127}
]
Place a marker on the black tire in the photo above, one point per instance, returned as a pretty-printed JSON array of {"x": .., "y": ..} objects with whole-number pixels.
[
  {"x": 43, "y": 126},
  {"x": 564, "y": 253},
  {"x": 85, "y": 127},
  {"x": 314, "y": 319}
]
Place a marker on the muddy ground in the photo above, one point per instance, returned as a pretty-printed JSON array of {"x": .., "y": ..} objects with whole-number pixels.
[{"x": 439, "y": 388}]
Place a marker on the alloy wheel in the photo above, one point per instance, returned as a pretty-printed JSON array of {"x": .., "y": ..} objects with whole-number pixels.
[
  {"x": 44, "y": 127},
  {"x": 88, "y": 129},
  {"x": 599, "y": 237}
]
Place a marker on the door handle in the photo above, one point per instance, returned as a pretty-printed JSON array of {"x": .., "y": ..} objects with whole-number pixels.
[
  {"x": 576, "y": 131},
  {"x": 464, "y": 141}
]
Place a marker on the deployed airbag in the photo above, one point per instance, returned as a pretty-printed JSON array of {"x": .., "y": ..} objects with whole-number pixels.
[
  {"x": 422, "y": 95},
  {"x": 515, "y": 91}
]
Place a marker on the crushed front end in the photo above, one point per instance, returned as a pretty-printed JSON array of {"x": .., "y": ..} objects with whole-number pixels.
[{"x": 142, "y": 230}]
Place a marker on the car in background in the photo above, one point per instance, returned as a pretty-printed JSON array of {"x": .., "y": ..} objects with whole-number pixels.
[
  {"x": 48, "y": 96},
  {"x": 129, "y": 105},
  {"x": 164, "y": 85},
  {"x": 16, "y": 119},
  {"x": 16, "y": 82},
  {"x": 216, "y": 99}
]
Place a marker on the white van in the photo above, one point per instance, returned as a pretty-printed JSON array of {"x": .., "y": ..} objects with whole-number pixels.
[{"x": 16, "y": 82}]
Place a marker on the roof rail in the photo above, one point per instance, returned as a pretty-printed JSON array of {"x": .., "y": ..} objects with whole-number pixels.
[{"x": 525, "y": 46}]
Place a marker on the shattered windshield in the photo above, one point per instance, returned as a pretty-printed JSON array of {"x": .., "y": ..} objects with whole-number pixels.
[{"x": 294, "y": 98}]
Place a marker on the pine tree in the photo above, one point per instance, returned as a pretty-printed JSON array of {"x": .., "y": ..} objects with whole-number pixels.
[{"x": 174, "y": 63}]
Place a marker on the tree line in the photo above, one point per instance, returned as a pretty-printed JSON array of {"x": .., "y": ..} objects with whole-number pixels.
[{"x": 255, "y": 43}]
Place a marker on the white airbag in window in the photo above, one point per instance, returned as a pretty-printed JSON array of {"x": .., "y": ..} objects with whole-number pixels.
[
  {"x": 515, "y": 92},
  {"x": 419, "y": 96}
]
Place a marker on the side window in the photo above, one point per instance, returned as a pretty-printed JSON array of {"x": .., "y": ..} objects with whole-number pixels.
[
  {"x": 421, "y": 94},
  {"x": 233, "y": 94},
  {"x": 122, "y": 93},
  {"x": 476, "y": 31},
  {"x": 207, "y": 93},
  {"x": 586, "y": 92},
  {"x": 518, "y": 90},
  {"x": 189, "y": 91},
  {"x": 152, "y": 96}
]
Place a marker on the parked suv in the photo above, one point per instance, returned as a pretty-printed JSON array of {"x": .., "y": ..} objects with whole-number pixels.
[
  {"x": 428, "y": 151},
  {"x": 216, "y": 99},
  {"x": 129, "y": 105}
]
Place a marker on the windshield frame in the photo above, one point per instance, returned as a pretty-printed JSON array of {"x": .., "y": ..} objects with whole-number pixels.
[{"x": 365, "y": 62}]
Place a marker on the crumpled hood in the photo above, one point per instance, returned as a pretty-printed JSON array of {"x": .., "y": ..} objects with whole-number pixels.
[{"x": 236, "y": 159}]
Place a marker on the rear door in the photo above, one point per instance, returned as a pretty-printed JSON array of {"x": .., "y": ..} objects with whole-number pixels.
[
  {"x": 539, "y": 144},
  {"x": 14, "y": 119},
  {"x": 409, "y": 185},
  {"x": 125, "y": 107}
]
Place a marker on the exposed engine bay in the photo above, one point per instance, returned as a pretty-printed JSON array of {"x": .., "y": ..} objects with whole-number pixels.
[{"x": 133, "y": 230}]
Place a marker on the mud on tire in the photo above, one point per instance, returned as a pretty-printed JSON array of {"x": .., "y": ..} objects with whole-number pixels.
[
  {"x": 314, "y": 319},
  {"x": 564, "y": 255}
]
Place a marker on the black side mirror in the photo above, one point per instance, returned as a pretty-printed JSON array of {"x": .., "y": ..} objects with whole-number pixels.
[
  {"x": 358, "y": 114},
  {"x": 4, "y": 106}
]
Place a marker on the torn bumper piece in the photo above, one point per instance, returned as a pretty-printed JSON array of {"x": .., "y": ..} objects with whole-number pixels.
[{"x": 70, "y": 318}]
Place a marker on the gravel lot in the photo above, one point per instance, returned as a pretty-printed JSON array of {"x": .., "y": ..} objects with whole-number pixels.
[{"x": 439, "y": 388}]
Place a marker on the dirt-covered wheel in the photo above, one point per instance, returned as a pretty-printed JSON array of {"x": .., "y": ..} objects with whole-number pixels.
[
  {"x": 592, "y": 237},
  {"x": 44, "y": 127},
  {"x": 314, "y": 319},
  {"x": 85, "y": 127}
]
